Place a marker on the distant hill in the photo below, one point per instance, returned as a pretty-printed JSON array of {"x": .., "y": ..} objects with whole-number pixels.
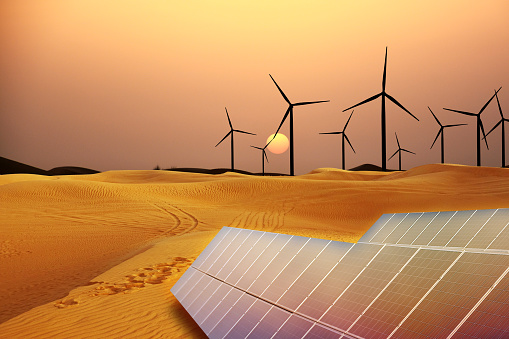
[
  {"x": 219, "y": 171},
  {"x": 71, "y": 170},
  {"x": 370, "y": 167},
  {"x": 8, "y": 166}
]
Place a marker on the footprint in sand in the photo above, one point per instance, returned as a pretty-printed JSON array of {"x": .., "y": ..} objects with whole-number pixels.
[
  {"x": 66, "y": 302},
  {"x": 155, "y": 274}
]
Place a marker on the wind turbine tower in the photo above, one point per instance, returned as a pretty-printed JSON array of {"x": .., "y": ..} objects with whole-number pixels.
[
  {"x": 441, "y": 133},
  {"x": 399, "y": 151},
  {"x": 343, "y": 138},
  {"x": 384, "y": 95},
  {"x": 231, "y": 135},
  {"x": 480, "y": 127},
  {"x": 289, "y": 112}
]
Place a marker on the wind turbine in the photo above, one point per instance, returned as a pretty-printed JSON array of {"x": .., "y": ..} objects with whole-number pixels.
[
  {"x": 501, "y": 122},
  {"x": 441, "y": 132},
  {"x": 399, "y": 151},
  {"x": 289, "y": 112},
  {"x": 480, "y": 126},
  {"x": 264, "y": 154},
  {"x": 231, "y": 133},
  {"x": 384, "y": 95},
  {"x": 343, "y": 138}
]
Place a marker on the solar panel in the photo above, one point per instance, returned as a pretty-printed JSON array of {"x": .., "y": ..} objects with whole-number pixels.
[
  {"x": 418, "y": 275},
  {"x": 490, "y": 318},
  {"x": 419, "y": 226}
]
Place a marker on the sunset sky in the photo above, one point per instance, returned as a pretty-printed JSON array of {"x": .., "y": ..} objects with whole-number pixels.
[{"x": 134, "y": 84}]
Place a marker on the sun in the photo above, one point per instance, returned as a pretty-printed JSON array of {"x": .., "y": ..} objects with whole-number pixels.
[{"x": 279, "y": 144}]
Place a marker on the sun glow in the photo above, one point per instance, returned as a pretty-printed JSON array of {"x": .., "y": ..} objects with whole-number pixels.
[{"x": 279, "y": 144}]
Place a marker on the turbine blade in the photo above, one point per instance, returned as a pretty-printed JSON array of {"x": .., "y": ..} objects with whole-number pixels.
[
  {"x": 405, "y": 150},
  {"x": 229, "y": 121},
  {"x": 265, "y": 153},
  {"x": 282, "y": 122},
  {"x": 236, "y": 130},
  {"x": 486, "y": 104},
  {"x": 344, "y": 128},
  {"x": 393, "y": 155},
  {"x": 499, "y": 108},
  {"x": 309, "y": 102},
  {"x": 281, "y": 91},
  {"x": 397, "y": 140},
  {"x": 482, "y": 130},
  {"x": 385, "y": 71},
  {"x": 267, "y": 144},
  {"x": 455, "y": 125},
  {"x": 257, "y": 147},
  {"x": 434, "y": 116},
  {"x": 461, "y": 112},
  {"x": 363, "y": 102},
  {"x": 491, "y": 130},
  {"x": 331, "y": 133},
  {"x": 400, "y": 105},
  {"x": 226, "y": 136},
  {"x": 440, "y": 131},
  {"x": 349, "y": 143}
]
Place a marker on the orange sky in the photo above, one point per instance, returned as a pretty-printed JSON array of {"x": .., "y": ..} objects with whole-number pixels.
[{"x": 132, "y": 84}]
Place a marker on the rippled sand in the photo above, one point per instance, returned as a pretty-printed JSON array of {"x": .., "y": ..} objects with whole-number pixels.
[{"x": 96, "y": 255}]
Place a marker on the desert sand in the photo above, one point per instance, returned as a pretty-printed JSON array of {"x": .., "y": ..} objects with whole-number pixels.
[{"x": 95, "y": 256}]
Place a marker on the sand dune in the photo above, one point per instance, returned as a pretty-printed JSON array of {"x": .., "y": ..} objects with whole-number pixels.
[{"x": 96, "y": 255}]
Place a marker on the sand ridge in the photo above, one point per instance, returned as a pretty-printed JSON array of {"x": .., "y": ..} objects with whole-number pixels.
[{"x": 80, "y": 251}]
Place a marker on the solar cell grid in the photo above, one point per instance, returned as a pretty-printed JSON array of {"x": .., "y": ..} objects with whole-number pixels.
[
  {"x": 212, "y": 246},
  {"x": 456, "y": 293},
  {"x": 366, "y": 287},
  {"x": 219, "y": 249},
  {"x": 183, "y": 281},
  {"x": 312, "y": 276},
  {"x": 262, "y": 261},
  {"x": 491, "y": 230},
  {"x": 215, "y": 298},
  {"x": 220, "y": 310},
  {"x": 401, "y": 228},
  {"x": 416, "y": 229},
  {"x": 294, "y": 327},
  {"x": 338, "y": 279},
  {"x": 450, "y": 229},
  {"x": 250, "y": 240},
  {"x": 295, "y": 267},
  {"x": 203, "y": 296},
  {"x": 276, "y": 265},
  {"x": 491, "y": 318},
  {"x": 380, "y": 223},
  {"x": 232, "y": 316},
  {"x": 440, "y": 221},
  {"x": 196, "y": 278},
  {"x": 270, "y": 324},
  {"x": 319, "y": 332},
  {"x": 249, "y": 320},
  {"x": 501, "y": 241},
  {"x": 403, "y": 293},
  {"x": 195, "y": 291},
  {"x": 470, "y": 228},
  {"x": 388, "y": 228},
  {"x": 251, "y": 256},
  {"x": 228, "y": 252}
]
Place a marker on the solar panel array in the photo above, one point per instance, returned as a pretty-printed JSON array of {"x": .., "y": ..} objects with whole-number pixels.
[{"x": 412, "y": 275}]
